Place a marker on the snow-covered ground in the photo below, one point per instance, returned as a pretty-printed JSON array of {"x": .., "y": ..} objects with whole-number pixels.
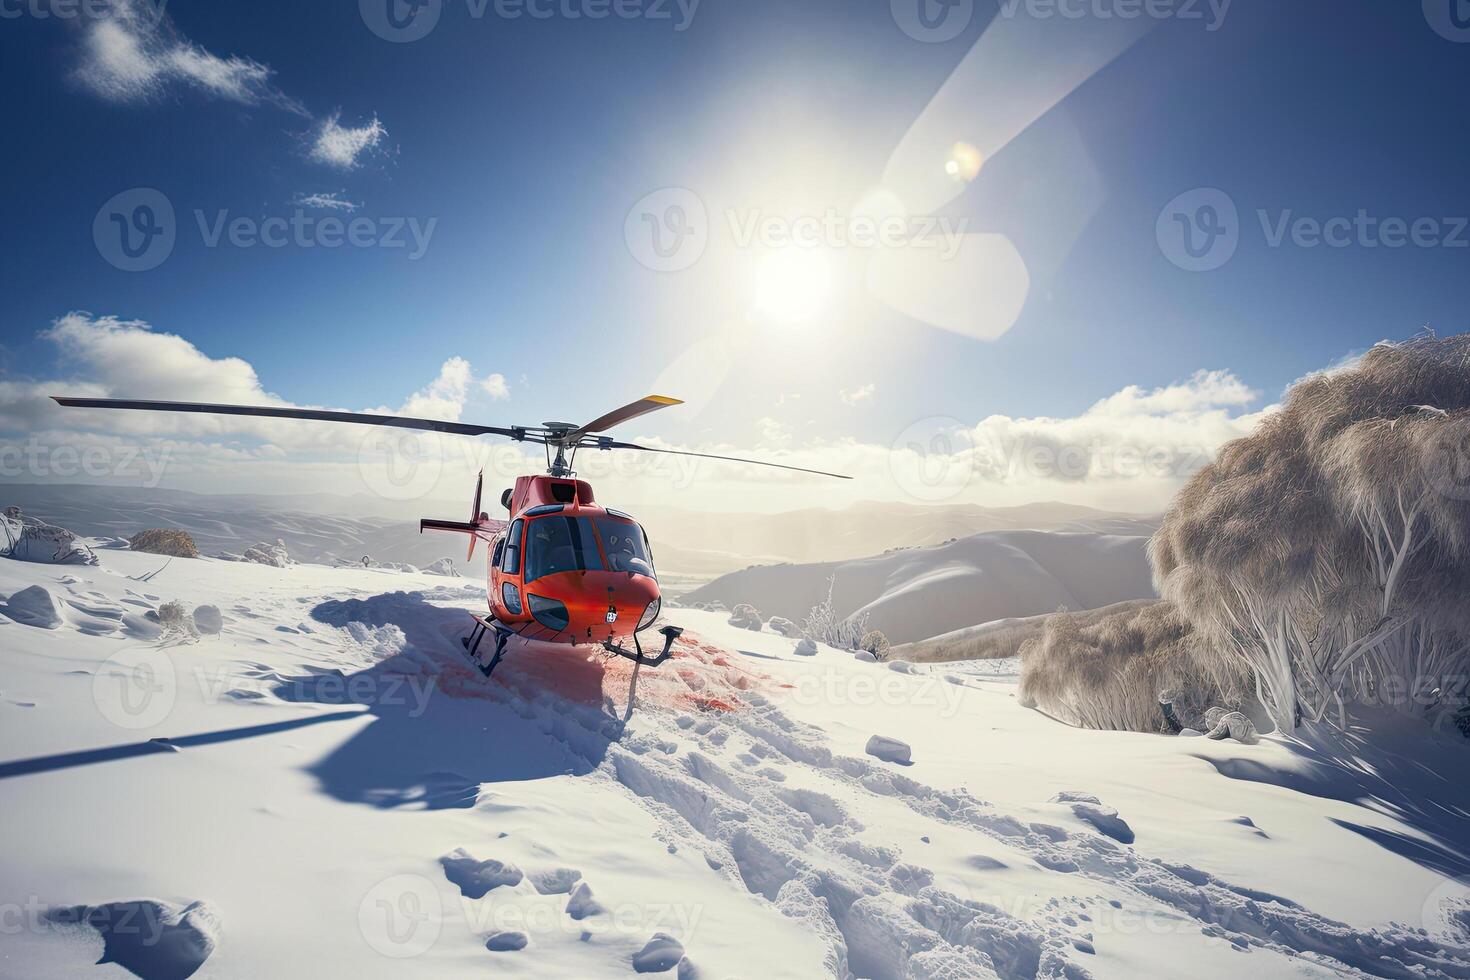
[{"x": 325, "y": 788}]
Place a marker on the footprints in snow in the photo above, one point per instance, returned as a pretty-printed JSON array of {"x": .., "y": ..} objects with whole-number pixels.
[
  {"x": 151, "y": 939},
  {"x": 477, "y": 878},
  {"x": 1103, "y": 818}
]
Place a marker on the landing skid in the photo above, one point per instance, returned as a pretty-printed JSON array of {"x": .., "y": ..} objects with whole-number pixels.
[
  {"x": 471, "y": 643},
  {"x": 669, "y": 633}
]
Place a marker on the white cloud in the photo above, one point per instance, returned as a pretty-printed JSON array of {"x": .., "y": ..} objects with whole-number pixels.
[
  {"x": 774, "y": 434},
  {"x": 859, "y": 394},
  {"x": 111, "y": 357},
  {"x": 1129, "y": 451},
  {"x": 133, "y": 53},
  {"x": 340, "y": 146},
  {"x": 325, "y": 201},
  {"x": 495, "y": 386},
  {"x": 1206, "y": 389}
]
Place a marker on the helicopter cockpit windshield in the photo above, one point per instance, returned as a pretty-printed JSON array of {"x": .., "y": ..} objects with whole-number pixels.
[
  {"x": 561, "y": 544},
  {"x": 627, "y": 550}
]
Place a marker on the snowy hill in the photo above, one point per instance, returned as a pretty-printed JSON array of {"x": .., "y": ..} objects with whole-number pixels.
[
  {"x": 820, "y": 535},
  {"x": 325, "y": 786},
  {"x": 917, "y": 593}
]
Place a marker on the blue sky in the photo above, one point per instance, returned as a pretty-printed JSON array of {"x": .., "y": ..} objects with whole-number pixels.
[{"x": 526, "y": 142}]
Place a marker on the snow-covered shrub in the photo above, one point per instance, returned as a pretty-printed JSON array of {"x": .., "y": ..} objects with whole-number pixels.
[
  {"x": 824, "y": 625},
  {"x": 745, "y": 616},
  {"x": 1329, "y": 551},
  {"x": 1105, "y": 668},
  {"x": 444, "y": 566},
  {"x": 177, "y": 623},
  {"x": 806, "y": 648},
  {"x": 875, "y": 643},
  {"x": 164, "y": 541},
  {"x": 784, "y": 626},
  {"x": 27, "y": 539}
]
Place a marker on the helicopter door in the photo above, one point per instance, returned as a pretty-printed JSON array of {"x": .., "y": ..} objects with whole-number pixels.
[
  {"x": 508, "y": 563},
  {"x": 510, "y": 554}
]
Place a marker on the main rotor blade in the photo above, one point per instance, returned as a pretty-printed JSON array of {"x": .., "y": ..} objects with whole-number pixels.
[
  {"x": 609, "y": 444},
  {"x": 632, "y": 410},
  {"x": 262, "y": 411}
]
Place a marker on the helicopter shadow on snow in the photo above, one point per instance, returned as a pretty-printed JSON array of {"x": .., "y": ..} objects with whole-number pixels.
[{"x": 436, "y": 737}]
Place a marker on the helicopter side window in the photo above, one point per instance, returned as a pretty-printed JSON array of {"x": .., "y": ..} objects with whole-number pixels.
[
  {"x": 561, "y": 544},
  {"x": 626, "y": 547},
  {"x": 511, "y": 553}
]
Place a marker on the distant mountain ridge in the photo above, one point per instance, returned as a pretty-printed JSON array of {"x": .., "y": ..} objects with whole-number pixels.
[{"x": 687, "y": 544}]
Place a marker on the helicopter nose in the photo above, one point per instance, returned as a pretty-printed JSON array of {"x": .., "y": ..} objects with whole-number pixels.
[
  {"x": 629, "y": 597},
  {"x": 607, "y": 604}
]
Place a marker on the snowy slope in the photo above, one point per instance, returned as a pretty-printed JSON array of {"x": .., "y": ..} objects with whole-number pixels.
[
  {"x": 339, "y": 795},
  {"x": 820, "y": 534},
  {"x": 921, "y": 592}
]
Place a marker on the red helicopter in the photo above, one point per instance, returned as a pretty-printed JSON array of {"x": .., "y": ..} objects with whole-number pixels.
[{"x": 562, "y": 568}]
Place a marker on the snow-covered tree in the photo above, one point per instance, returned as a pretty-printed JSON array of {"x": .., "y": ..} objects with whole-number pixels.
[{"x": 1330, "y": 550}]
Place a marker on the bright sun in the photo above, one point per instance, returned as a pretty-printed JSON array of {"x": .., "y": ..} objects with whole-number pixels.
[{"x": 792, "y": 284}]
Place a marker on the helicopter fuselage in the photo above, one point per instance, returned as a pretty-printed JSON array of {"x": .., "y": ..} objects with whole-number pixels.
[{"x": 567, "y": 570}]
